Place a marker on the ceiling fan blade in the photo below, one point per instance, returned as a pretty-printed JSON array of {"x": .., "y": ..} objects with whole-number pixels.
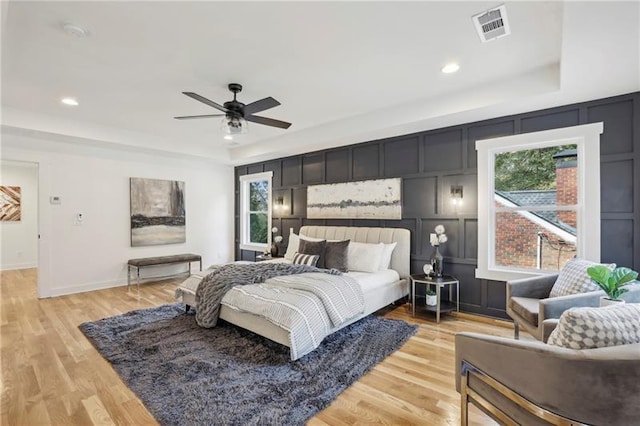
[
  {"x": 189, "y": 117},
  {"x": 260, "y": 105},
  {"x": 267, "y": 121},
  {"x": 205, "y": 101}
]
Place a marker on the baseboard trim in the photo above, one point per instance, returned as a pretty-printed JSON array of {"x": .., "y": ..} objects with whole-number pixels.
[
  {"x": 16, "y": 266},
  {"x": 63, "y": 291}
]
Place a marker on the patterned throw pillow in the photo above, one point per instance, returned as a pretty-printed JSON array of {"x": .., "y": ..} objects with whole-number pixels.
[
  {"x": 589, "y": 328},
  {"x": 305, "y": 259},
  {"x": 313, "y": 247},
  {"x": 573, "y": 278}
]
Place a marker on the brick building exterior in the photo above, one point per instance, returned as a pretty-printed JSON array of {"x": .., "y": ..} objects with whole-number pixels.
[{"x": 544, "y": 240}]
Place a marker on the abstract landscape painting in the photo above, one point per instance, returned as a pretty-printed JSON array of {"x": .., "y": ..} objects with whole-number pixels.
[
  {"x": 157, "y": 212},
  {"x": 10, "y": 199},
  {"x": 368, "y": 199}
]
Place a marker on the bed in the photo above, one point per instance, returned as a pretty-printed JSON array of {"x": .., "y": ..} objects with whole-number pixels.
[{"x": 380, "y": 289}]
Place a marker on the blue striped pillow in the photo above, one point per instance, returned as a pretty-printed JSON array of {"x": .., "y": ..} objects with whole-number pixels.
[{"x": 305, "y": 259}]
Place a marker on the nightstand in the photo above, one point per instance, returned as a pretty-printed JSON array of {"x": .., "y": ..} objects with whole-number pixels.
[{"x": 438, "y": 283}]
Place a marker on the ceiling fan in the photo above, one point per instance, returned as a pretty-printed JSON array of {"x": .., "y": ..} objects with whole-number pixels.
[{"x": 236, "y": 112}]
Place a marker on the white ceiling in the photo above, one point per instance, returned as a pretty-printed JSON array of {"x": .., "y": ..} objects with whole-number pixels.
[{"x": 345, "y": 72}]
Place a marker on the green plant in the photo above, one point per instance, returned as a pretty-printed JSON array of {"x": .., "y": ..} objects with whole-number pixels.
[
  {"x": 612, "y": 282},
  {"x": 430, "y": 292}
]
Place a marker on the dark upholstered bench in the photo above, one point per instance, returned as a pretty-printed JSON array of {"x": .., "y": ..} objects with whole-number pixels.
[{"x": 137, "y": 264}]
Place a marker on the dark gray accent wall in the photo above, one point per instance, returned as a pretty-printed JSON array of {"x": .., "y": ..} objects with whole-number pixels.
[{"x": 430, "y": 162}]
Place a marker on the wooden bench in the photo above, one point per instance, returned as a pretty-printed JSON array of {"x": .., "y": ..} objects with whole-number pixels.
[{"x": 138, "y": 264}]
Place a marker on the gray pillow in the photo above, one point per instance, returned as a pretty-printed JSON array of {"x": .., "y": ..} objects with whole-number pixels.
[
  {"x": 313, "y": 247},
  {"x": 336, "y": 255}
]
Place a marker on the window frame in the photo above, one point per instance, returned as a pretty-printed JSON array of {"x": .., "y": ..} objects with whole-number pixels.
[
  {"x": 245, "y": 180},
  {"x": 587, "y": 140}
]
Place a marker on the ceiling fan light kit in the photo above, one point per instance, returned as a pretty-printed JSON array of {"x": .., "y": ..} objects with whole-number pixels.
[
  {"x": 236, "y": 114},
  {"x": 234, "y": 125}
]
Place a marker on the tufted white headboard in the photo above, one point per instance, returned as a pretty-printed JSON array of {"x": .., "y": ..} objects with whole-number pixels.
[{"x": 400, "y": 259}]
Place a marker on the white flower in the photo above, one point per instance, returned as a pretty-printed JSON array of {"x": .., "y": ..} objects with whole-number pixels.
[
  {"x": 278, "y": 239},
  {"x": 439, "y": 237},
  {"x": 274, "y": 230}
]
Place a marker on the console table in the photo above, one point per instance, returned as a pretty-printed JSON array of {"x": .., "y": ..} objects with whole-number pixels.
[{"x": 137, "y": 264}]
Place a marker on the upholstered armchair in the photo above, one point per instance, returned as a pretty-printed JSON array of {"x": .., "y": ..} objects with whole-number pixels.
[
  {"x": 533, "y": 383},
  {"x": 530, "y": 307}
]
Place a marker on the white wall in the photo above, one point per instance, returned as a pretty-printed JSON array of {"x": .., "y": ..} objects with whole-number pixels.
[
  {"x": 95, "y": 182},
  {"x": 19, "y": 240}
]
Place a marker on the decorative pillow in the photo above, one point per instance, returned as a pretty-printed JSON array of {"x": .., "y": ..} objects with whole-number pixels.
[
  {"x": 305, "y": 259},
  {"x": 313, "y": 247},
  {"x": 365, "y": 257},
  {"x": 590, "y": 328},
  {"x": 385, "y": 259},
  {"x": 292, "y": 246},
  {"x": 336, "y": 255},
  {"x": 294, "y": 243},
  {"x": 573, "y": 278}
]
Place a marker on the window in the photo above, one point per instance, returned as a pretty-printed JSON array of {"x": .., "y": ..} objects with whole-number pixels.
[
  {"x": 538, "y": 201},
  {"x": 255, "y": 211}
]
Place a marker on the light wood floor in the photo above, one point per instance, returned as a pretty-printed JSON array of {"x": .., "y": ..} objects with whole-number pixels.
[{"x": 51, "y": 374}]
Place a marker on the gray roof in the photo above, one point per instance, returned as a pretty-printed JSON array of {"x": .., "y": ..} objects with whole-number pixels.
[
  {"x": 567, "y": 153},
  {"x": 534, "y": 198}
]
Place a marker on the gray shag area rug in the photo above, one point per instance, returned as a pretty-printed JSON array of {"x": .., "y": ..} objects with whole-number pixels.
[{"x": 185, "y": 374}]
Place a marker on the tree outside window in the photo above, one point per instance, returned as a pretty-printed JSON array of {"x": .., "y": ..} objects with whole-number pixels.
[
  {"x": 259, "y": 211},
  {"x": 255, "y": 211}
]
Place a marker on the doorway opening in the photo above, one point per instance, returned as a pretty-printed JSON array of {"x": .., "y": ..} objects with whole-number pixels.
[{"x": 19, "y": 223}]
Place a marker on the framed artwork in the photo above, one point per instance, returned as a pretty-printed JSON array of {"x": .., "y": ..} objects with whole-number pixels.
[
  {"x": 157, "y": 212},
  {"x": 10, "y": 203},
  {"x": 367, "y": 199}
]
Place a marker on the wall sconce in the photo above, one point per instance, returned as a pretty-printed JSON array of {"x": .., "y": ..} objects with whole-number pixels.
[
  {"x": 279, "y": 203},
  {"x": 456, "y": 194}
]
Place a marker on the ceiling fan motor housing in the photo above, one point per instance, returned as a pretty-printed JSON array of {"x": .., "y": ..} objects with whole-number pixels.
[{"x": 235, "y": 109}]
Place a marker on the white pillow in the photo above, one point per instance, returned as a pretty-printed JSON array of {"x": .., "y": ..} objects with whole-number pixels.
[
  {"x": 294, "y": 243},
  {"x": 365, "y": 257},
  {"x": 385, "y": 259},
  {"x": 292, "y": 246}
]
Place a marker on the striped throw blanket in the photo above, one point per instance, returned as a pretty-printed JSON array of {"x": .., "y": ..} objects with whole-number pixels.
[{"x": 309, "y": 305}]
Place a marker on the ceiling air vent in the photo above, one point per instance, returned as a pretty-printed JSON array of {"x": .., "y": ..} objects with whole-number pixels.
[{"x": 492, "y": 24}]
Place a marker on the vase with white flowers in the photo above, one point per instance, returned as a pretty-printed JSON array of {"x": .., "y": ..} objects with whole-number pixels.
[
  {"x": 437, "y": 260},
  {"x": 276, "y": 240}
]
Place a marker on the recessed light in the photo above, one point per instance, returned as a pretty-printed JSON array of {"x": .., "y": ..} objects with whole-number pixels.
[
  {"x": 450, "y": 68},
  {"x": 70, "y": 101},
  {"x": 228, "y": 137}
]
